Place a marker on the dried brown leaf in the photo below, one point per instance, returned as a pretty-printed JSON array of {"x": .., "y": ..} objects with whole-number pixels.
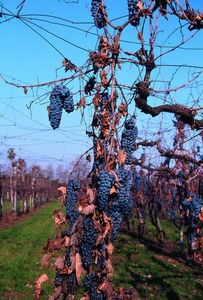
[
  {"x": 38, "y": 285},
  {"x": 67, "y": 241},
  {"x": 59, "y": 218},
  {"x": 78, "y": 268},
  {"x": 91, "y": 195},
  {"x": 112, "y": 190},
  {"x": 56, "y": 293},
  {"x": 121, "y": 157},
  {"x": 45, "y": 261},
  {"x": 109, "y": 268},
  {"x": 75, "y": 238},
  {"x": 59, "y": 263},
  {"x": 140, "y": 5},
  {"x": 110, "y": 249},
  {"x": 88, "y": 158},
  {"x": 89, "y": 209},
  {"x": 25, "y": 90},
  {"x": 82, "y": 103},
  {"x": 85, "y": 297},
  {"x": 106, "y": 287}
]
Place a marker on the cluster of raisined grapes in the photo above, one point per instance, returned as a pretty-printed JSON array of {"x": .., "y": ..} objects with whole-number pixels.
[
  {"x": 87, "y": 244},
  {"x": 129, "y": 136},
  {"x": 104, "y": 182},
  {"x": 92, "y": 282},
  {"x": 132, "y": 11},
  {"x": 60, "y": 98},
  {"x": 71, "y": 198},
  {"x": 97, "y": 14}
]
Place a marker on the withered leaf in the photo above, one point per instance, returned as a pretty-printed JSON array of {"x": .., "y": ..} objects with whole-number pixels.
[
  {"x": 88, "y": 209},
  {"x": 140, "y": 5},
  {"x": 123, "y": 109},
  {"x": 62, "y": 189},
  {"x": 59, "y": 218},
  {"x": 110, "y": 249},
  {"x": 90, "y": 195},
  {"x": 106, "y": 287},
  {"x": 59, "y": 263},
  {"x": 73, "y": 261},
  {"x": 45, "y": 261},
  {"x": 42, "y": 279},
  {"x": 121, "y": 157},
  {"x": 48, "y": 110},
  {"x": 88, "y": 158},
  {"x": 96, "y": 100},
  {"x": 85, "y": 297},
  {"x": 67, "y": 241},
  {"x": 78, "y": 268},
  {"x": 82, "y": 103},
  {"x": 56, "y": 293},
  {"x": 25, "y": 90},
  {"x": 112, "y": 190},
  {"x": 75, "y": 238},
  {"x": 38, "y": 285},
  {"x": 109, "y": 268}
]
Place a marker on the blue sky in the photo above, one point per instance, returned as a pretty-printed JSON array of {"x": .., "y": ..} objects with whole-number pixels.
[{"x": 26, "y": 58}]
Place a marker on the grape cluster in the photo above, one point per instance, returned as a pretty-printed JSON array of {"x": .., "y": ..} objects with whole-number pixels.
[
  {"x": 105, "y": 101},
  {"x": 60, "y": 98},
  {"x": 56, "y": 107},
  {"x": 98, "y": 161},
  {"x": 71, "y": 283},
  {"x": 97, "y": 14},
  {"x": 132, "y": 11},
  {"x": 71, "y": 198},
  {"x": 89, "y": 239},
  {"x": 104, "y": 182},
  {"x": 128, "y": 139},
  {"x": 70, "y": 280},
  {"x": 114, "y": 212},
  {"x": 91, "y": 282},
  {"x": 124, "y": 197},
  {"x": 192, "y": 209},
  {"x": 137, "y": 180}
]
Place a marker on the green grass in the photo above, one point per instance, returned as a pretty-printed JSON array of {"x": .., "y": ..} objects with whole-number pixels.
[
  {"x": 138, "y": 264},
  {"x": 153, "y": 271},
  {"x": 20, "y": 250}
]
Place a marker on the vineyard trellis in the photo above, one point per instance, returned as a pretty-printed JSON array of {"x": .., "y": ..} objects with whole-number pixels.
[{"x": 119, "y": 181}]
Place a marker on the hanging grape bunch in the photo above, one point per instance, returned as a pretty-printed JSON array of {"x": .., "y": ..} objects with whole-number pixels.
[
  {"x": 132, "y": 11},
  {"x": 129, "y": 136},
  {"x": 71, "y": 198},
  {"x": 191, "y": 208},
  {"x": 97, "y": 14},
  {"x": 60, "y": 98}
]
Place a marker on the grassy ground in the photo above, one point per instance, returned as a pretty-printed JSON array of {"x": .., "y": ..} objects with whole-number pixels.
[
  {"x": 20, "y": 250},
  {"x": 154, "y": 272}
]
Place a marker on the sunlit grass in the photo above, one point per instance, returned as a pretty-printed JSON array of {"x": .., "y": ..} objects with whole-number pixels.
[{"x": 20, "y": 256}]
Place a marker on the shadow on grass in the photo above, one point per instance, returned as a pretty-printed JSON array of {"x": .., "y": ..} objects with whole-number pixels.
[{"x": 170, "y": 274}]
